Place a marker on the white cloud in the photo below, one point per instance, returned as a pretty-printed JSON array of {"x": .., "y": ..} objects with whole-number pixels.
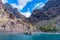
[
  {"x": 38, "y": 5},
  {"x": 22, "y": 3},
  {"x": 14, "y": 5},
  {"x": 20, "y": 6},
  {"x": 4, "y": 1},
  {"x": 27, "y": 14}
]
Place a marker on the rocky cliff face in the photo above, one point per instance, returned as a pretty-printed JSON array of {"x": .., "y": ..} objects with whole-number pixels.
[
  {"x": 51, "y": 3},
  {"x": 52, "y": 12},
  {"x": 37, "y": 16},
  {"x": 49, "y": 11},
  {"x": 14, "y": 11},
  {"x": 10, "y": 23}
]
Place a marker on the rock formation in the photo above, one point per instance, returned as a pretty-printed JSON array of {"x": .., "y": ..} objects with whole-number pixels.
[{"x": 9, "y": 23}]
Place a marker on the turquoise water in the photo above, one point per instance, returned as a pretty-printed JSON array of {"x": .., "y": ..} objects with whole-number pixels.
[{"x": 30, "y": 37}]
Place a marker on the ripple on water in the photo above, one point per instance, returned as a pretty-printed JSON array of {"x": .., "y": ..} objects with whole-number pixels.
[{"x": 30, "y": 37}]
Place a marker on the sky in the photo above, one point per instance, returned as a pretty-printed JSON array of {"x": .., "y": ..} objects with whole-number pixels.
[{"x": 26, "y": 7}]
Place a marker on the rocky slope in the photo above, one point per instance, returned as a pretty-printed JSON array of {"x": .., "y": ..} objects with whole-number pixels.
[
  {"x": 14, "y": 11},
  {"x": 52, "y": 10},
  {"x": 51, "y": 3},
  {"x": 10, "y": 23},
  {"x": 37, "y": 16},
  {"x": 47, "y": 19},
  {"x": 49, "y": 11}
]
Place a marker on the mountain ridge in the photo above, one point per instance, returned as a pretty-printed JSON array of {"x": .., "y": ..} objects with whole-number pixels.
[
  {"x": 9, "y": 23},
  {"x": 47, "y": 19},
  {"x": 44, "y": 20}
]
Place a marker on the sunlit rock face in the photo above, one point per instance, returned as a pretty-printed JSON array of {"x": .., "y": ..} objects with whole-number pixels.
[
  {"x": 14, "y": 11},
  {"x": 9, "y": 23}
]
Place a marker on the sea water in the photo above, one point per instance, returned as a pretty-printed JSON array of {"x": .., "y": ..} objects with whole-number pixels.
[{"x": 30, "y": 37}]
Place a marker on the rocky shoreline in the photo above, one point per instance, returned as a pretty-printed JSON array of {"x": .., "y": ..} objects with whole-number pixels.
[{"x": 27, "y": 33}]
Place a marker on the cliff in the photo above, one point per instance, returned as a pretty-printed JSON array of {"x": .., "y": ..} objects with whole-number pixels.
[{"x": 11, "y": 21}]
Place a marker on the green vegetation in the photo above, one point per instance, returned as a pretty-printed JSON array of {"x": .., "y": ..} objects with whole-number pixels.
[
  {"x": 54, "y": 29},
  {"x": 47, "y": 28}
]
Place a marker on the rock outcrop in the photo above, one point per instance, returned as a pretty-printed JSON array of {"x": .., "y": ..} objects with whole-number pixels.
[
  {"x": 10, "y": 23},
  {"x": 51, "y": 3},
  {"x": 37, "y": 16},
  {"x": 9, "y": 8},
  {"x": 50, "y": 11}
]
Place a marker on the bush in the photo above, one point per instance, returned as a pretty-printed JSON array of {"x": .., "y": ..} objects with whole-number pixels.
[
  {"x": 54, "y": 29},
  {"x": 49, "y": 25},
  {"x": 48, "y": 29},
  {"x": 11, "y": 16}
]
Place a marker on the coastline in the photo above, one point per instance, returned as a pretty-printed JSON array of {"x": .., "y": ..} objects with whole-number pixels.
[
  {"x": 45, "y": 33},
  {"x": 33, "y": 33}
]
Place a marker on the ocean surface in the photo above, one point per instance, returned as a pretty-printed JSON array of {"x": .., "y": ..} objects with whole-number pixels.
[{"x": 30, "y": 37}]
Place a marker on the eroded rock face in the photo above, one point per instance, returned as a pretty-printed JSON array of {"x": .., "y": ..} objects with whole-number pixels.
[
  {"x": 49, "y": 11},
  {"x": 9, "y": 23},
  {"x": 37, "y": 16},
  {"x": 52, "y": 10},
  {"x": 14, "y": 11},
  {"x": 51, "y": 3}
]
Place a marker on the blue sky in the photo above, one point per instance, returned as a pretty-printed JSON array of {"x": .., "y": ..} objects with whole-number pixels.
[{"x": 25, "y": 7}]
